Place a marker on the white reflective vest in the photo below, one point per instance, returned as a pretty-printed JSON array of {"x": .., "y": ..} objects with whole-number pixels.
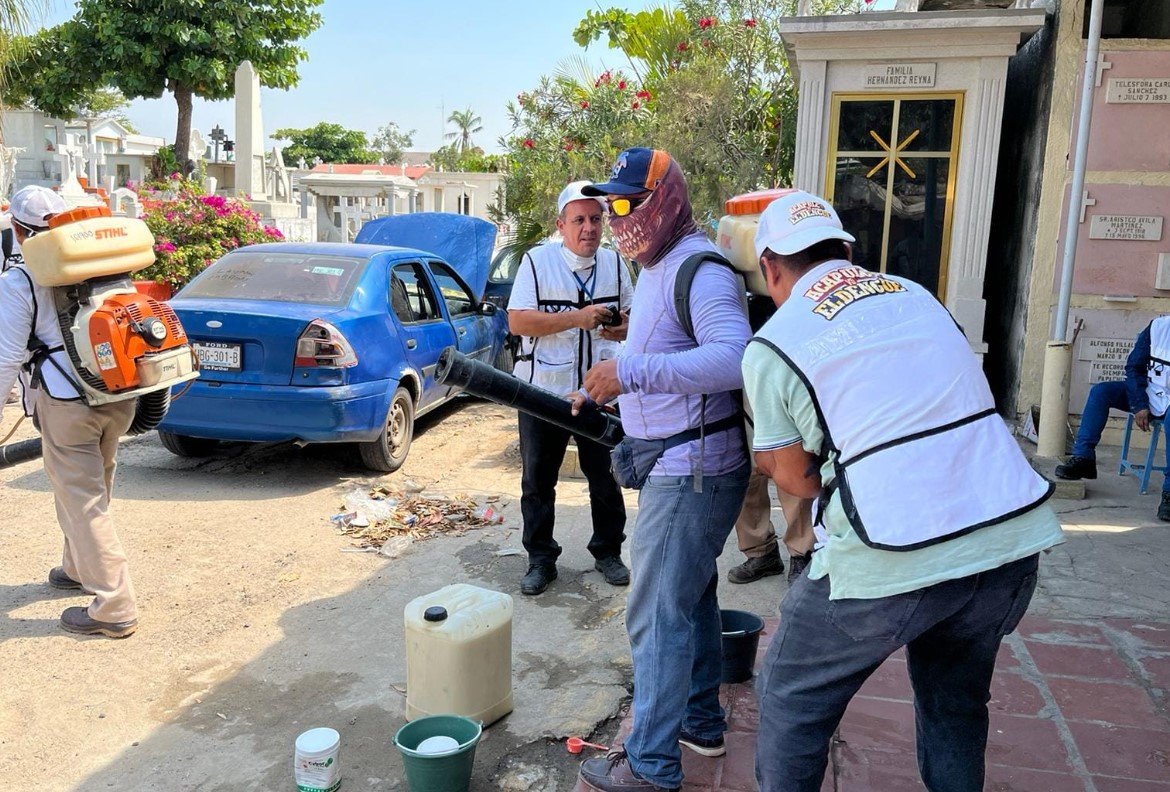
[
  {"x": 919, "y": 454},
  {"x": 558, "y": 362},
  {"x": 1158, "y": 367}
]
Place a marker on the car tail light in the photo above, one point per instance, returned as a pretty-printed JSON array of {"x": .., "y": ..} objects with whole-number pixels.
[{"x": 322, "y": 345}]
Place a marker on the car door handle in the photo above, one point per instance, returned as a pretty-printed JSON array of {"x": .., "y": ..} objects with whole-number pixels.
[
  {"x": 411, "y": 343},
  {"x": 462, "y": 331}
]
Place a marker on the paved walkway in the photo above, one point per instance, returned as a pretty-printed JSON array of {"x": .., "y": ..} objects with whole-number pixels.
[
  {"x": 1080, "y": 701},
  {"x": 1075, "y": 705}
]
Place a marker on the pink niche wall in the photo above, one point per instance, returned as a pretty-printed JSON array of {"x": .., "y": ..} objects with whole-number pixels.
[
  {"x": 1130, "y": 136},
  {"x": 1114, "y": 266}
]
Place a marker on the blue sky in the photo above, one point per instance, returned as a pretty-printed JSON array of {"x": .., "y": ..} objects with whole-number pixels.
[{"x": 374, "y": 61}]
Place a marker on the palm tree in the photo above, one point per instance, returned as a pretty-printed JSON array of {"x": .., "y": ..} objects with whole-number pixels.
[
  {"x": 16, "y": 16},
  {"x": 467, "y": 124}
]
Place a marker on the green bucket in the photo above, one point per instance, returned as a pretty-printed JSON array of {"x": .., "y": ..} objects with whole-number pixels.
[{"x": 449, "y": 771}]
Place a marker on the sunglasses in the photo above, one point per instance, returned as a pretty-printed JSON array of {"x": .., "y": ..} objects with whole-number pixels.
[{"x": 623, "y": 206}]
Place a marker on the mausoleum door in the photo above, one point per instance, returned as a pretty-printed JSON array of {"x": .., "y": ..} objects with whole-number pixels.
[{"x": 892, "y": 164}]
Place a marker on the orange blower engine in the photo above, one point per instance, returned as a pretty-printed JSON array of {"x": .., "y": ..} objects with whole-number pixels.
[{"x": 121, "y": 344}]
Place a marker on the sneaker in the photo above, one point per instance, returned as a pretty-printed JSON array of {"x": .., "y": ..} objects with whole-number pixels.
[
  {"x": 537, "y": 579},
  {"x": 1164, "y": 508},
  {"x": 616, "y": 573},
  {"x": 797, "y": 563},
  {"x": 78, "y": 620},
  {"x": 701, "y": 746},
  {"x": 613, "y": 773},
  {"x": 757, "y": 567},
  {"x": 1077, "y": 468},
  {"x": 59, "y": 580}
]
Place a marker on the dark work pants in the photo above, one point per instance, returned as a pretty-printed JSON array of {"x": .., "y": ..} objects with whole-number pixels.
[
  {"x": 542, "y": 450},
  {"x": 824, "y": 650}
]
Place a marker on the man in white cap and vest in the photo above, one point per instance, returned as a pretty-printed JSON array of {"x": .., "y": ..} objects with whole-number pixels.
[
  {"x": 866, "y": 394},
  {"x": 568, "y": 305},
  {"x": 80, "y": 442},
  {"x": 1145, "y": 393}
]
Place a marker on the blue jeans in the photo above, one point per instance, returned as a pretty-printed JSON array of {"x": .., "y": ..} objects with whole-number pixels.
[
  {"x": 673, "y": 617},
  {"x": 824, "y": 651},
  {"x": 1102, "y": 397}
]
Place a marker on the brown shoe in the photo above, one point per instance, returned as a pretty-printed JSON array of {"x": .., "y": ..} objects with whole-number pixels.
[
  {"x": 59, "y": 580},
  {"x": 757, "y": 567},
  {"x": 78, "y": 620},
  {"x": 612, "y": 773}
]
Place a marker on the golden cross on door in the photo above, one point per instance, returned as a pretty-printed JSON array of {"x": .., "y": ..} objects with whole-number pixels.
[{"x": 893, "y": 153}]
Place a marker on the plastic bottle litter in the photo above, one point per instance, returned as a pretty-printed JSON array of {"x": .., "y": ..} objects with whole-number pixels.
[
  {"x": 395, "y": 547},
  {"x": 489, "y": 515},
  {"x": 372, "y": 508}
]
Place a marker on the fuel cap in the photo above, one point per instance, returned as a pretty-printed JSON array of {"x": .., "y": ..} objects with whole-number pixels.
[{"x": 435, "y": 614}]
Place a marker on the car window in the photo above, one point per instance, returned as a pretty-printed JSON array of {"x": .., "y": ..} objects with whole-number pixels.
[
  {"x": 410, "y": 294},
  {"x": 455, "y": 294},
  {"x": 504, "y": 267},
  {"x": 287, "y": 277}
]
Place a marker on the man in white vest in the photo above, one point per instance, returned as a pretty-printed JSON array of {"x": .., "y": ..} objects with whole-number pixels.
[
  {"x": 1145, "y": 392},
  {"x": 866, "y": 394},
  {"x": 568, "y": 305}
]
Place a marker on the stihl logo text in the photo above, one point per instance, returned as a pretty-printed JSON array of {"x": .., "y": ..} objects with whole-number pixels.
[{"x": 110, "y": 233}]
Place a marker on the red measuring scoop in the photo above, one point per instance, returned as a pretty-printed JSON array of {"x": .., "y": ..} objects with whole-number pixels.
[{"x": 575, "y": 744}]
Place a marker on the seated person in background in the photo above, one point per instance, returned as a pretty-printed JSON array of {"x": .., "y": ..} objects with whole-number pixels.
[{"x": 1145, "y": 392}]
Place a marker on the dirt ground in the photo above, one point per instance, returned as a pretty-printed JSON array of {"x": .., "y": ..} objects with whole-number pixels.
[{"x": 255, "y": 625}]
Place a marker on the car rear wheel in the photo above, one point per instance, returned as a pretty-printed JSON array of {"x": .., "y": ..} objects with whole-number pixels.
[
  {"x": 187, "y": 446},
  {"x": 388, "y": 452},
  {"x": 505, "y": 360}
]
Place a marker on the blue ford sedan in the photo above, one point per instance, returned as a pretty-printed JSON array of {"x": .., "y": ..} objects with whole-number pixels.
[{"x": 335, "y": 343}]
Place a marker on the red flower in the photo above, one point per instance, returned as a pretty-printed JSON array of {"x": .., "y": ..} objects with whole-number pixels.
[
  {"x": 643, "y": 94},
  {"x": 584, "y": 105},
  {"x": 682, "y": 46},
  {"x": 636, "y": 105},
  {"x": 604, "y": 78},
  {"x": 709, "y": 22},
  {"x": 621, "y": 85},
  {"x": 528, "y": 143},
  {"x": 750, "y": 23}
]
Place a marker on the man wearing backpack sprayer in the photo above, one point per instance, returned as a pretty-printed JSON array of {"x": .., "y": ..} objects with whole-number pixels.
[
  {"x": 859, "y": 384},
  {"x": 562, "y": 306},
  {"x": 80, "y": 441},
  {"x": 684, "y": 450}
]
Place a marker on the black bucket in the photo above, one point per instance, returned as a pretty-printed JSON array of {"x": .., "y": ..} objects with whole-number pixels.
[{"x": 741, "y": 639}]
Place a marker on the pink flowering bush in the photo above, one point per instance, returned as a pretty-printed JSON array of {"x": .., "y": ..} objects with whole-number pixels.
[{"x": 192, "y": 229}]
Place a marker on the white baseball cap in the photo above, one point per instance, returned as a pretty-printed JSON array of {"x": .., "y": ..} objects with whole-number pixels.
[
  {"x": 32, "y": 206},
  {"x": 796, "y": 222},
  {"x": 573, "y": 193}
]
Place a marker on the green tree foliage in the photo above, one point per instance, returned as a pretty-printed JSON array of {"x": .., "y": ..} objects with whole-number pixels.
[
  {"x": 466, "y": 124},
  {"x": 331, "y": 142},
  {"x": 391, "y": 141},
  {"x": 449, "y": 158},
  {"x": 706, "y": 82},
  {"x": 187, "y": 48}
]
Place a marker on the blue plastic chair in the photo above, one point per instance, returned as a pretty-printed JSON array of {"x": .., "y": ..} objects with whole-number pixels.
[{"x": 1149, "y": 466}]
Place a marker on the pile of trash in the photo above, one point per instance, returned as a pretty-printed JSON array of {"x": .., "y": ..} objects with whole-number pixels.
[{"x": 387, "y": 521}]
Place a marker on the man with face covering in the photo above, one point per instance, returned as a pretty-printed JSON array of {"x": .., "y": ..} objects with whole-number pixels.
[
  {"x": 562, "y": 306},
  {"x": 678, "y": 412}
]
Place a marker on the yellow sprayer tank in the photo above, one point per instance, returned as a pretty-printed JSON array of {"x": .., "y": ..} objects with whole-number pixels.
[
  {"x": 737, "y": 234},
  {"x": 459, "y": 654},
  {"x": 75, "y": 250}
]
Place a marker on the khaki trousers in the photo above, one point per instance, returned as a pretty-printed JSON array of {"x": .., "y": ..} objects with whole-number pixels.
[
  {"x": 753, "y": 528},
  {"x": 80, "y": 450}
]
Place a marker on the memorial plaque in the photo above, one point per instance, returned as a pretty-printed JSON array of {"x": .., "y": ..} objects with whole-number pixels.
[
  {"x": 1137, "y": 228},
  {"x": 1138, "y": 91},
  {"x": 899, "y": 75},
  {"x": 1106, "y": 357}
]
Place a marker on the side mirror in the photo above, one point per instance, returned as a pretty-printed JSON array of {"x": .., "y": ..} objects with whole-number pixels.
[{"x": 486, "y": 308}]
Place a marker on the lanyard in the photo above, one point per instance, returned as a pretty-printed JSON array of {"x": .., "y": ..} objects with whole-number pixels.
[{"x": 586, "y": 285}]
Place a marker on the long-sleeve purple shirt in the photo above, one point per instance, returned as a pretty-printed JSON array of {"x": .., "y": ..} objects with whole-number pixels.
[{"x": 663, "y": 373}]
